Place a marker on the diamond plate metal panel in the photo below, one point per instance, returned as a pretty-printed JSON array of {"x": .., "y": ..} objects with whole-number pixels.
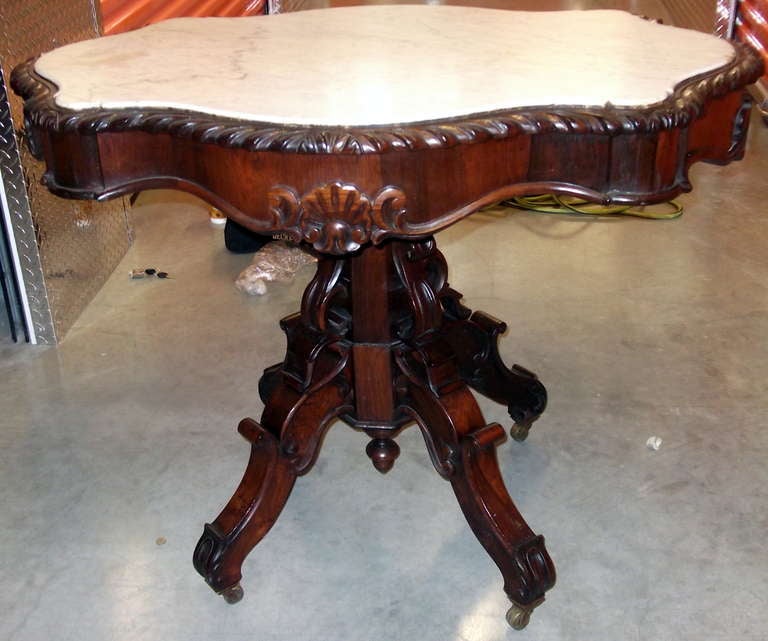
[
  {"x": 17, "y": 204},
  {"x": 725, "y": 17},
  {"x": 76, "y": 244}
]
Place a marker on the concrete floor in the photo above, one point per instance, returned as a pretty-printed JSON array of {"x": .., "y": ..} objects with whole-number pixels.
[{"x": 125, "y": 433}]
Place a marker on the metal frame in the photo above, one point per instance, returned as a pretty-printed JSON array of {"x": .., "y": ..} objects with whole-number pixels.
[
  {"x": 726, "y": 18},
  {"x": 19, "y": 226},
  {"x": 62, "y": 251}
]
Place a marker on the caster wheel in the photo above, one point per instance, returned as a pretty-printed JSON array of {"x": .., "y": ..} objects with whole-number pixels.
[
  {"x": 519, "y": 432},
  {"x": 233, "y": 595},
  {"x": 518, "y": 617}
]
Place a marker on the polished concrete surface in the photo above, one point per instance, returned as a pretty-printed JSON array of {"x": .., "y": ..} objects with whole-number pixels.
[
  {"x": 5, "y": 326},
  {"x": 116, "y": 446}
]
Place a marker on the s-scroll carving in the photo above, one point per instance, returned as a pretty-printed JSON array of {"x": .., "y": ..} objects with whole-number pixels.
[{"x": 338, "y": 217}]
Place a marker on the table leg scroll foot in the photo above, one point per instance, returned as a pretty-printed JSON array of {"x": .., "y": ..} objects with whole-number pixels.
[
  {"x": 463, "y": 450},
  {"x": 519, "y": 554},
  {"x": 248, "y": 516},
  {"x": 300, "y": 418}
]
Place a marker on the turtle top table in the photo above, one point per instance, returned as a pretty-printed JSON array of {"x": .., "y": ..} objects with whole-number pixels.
[{"x": 363, "y": 131}]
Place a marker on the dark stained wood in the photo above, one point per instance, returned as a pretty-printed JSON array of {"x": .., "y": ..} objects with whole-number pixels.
[
  {"x": 249, "y": 515},
  {"x": 403, "y": 368},
  {"x": 381, "y": 340},
  {"x": 474, "y": 339},
  {"x": 374, "y": 402},
  {"x": 370, "y": 275},
  {"x": 633, "y": 160},
  {"x": 521, "y": 556},
  {"x": 550, "y": 152}
]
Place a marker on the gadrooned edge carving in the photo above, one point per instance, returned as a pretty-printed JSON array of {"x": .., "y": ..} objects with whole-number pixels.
[
  {"x": 680, "y": 108},
  {"x": 337, "y": 217}
]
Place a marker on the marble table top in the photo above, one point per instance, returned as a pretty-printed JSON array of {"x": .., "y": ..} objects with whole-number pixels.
[{"x": 371, "y": 65}]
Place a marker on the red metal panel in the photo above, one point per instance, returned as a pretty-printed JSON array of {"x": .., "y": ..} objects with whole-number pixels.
[
  {"x": 754, "y": 16},
  {"x": 752, "y": 27},
  {"x": 124, "y": 15},
  {"x": 176, "y": 8}
]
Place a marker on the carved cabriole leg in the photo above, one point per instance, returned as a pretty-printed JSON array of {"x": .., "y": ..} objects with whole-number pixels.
[
  {"x": 462, "y": 447},
  {"x": 463, "y": 450},
  {"x": 248, "y": 516},
  {"x": 520, "y": 555},
  {"x": 304, "y": 395},
  {"x": 474, "y": 338},
  {"x": 301, "y": 421}
]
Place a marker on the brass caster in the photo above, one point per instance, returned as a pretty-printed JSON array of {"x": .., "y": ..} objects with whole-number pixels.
[
  {"x": 519, "y": 431},
  {"x": 518, "y": 616},
  {"x": 233, "y": 594}
]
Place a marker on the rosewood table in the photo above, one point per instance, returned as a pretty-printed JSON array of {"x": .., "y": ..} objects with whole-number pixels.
[{"x": 363, "y": 132}]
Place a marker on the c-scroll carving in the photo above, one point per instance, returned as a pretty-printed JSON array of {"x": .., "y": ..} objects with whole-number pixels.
[
  {"x": 338, "y": 217},
  {"x": 389, "y": 214}
]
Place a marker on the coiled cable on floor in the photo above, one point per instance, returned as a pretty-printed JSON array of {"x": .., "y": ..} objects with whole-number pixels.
[{"x": 554, "y": 204}]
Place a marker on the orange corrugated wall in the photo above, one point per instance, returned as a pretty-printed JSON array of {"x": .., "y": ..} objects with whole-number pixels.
[
  {"x": 124, "y": 15},
  {"x": 752, "y": 27}
]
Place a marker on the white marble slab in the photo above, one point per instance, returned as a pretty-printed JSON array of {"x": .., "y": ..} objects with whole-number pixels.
[{"x": 382, "y": 64}]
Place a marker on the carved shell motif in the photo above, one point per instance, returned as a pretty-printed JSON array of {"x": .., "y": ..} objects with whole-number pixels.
[{"x": 338, "y": 217}]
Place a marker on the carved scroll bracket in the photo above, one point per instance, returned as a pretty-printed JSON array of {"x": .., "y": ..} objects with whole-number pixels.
[{"x": 338, "y": 217}]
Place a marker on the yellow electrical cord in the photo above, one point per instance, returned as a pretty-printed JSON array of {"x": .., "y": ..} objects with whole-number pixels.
[{"x": 554, "y": 204}]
